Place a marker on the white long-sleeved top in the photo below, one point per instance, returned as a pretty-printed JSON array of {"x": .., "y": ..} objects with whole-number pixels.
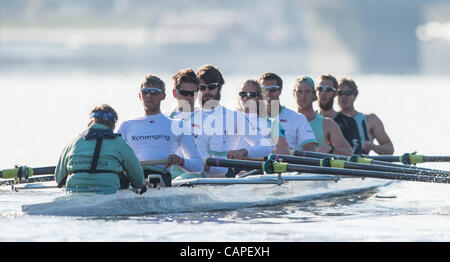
[
  {"x": 236, "y": 131},
  {"x": 153, "y": 137},
  {"x": 267, "y": 127},
  {"x": 209, "y": 145},
  {"x": 220, "y": 130}
]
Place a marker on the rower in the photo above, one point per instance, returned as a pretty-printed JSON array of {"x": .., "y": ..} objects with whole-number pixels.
[
  {"x": 224, "y": 123},
  {"x": 152, "y": 136},
  {"x": 99, "y": 160},
  {"x": 185, "y": 91},
  {"x": 299, "y": 134},
  {"x": 326, "y": 92},
  {"x": 329, "y": 137},
  {"x": 370, "y": 127},
  {"x": 256, "y": 120}
]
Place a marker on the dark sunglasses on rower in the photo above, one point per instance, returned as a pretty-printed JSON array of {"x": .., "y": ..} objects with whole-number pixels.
[
  {"x": 248, "y": 94},
  {"x": 271, "y": 89},
  {"x": 211, "y": 86},
  {"x": 186, "y": 93},
  {"x": 345, "y": 92},
  {"x": 151, "y": 90},
  {"x": 326, "y": 88}
]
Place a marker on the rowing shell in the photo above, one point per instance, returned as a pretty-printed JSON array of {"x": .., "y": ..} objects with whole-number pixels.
[{"x": 197, "y": 195}]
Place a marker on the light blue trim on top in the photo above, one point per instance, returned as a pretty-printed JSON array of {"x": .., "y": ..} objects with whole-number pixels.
[
  {"x": 317, "y": 127},
  {"x": 359, "y": 118},
  {"x": 306, "y": 142}
]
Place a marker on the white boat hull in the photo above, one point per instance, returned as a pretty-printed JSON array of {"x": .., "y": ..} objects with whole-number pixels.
[{"x": 201, "y": 198}]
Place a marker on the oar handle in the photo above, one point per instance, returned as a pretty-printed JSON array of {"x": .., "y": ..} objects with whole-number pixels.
[{"x": 152, "y": 162}]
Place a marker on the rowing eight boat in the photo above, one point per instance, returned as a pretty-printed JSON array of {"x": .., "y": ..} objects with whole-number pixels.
[
  {"x": 267, "y": 183},
  {"x": 196, "y": 195}
]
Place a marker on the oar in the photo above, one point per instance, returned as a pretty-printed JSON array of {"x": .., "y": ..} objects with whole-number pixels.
[
  {"x": 410, "y": 159},
  {"x": 39, "y": 178},
  {"x": 271, "y": 166},
  {"x": 28, "y": 172},
  {"x": 153, "y": 162},
  {"x": 251, "y": 173},
  {"x": 328, "y": 162},
  {"x": 357, "y": 159}
]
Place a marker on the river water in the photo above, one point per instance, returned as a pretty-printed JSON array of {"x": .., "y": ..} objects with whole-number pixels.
[{"x": 41, "y": 112}]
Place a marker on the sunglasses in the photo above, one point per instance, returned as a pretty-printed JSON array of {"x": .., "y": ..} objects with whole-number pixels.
[
  {"x": 186, "y": 93},
  {"x": 248, "y": 94},
  {"x": 326, "y": 88},
  {"x": 151, "y": 90},
  {"x": 271, "y": 89},
  {"x": 211, "y": 86},
  {"x": 346, "y": 92}
]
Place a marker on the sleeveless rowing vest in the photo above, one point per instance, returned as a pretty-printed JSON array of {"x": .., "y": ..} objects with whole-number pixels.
[
  {"x": 361, "y": 122},
  {"x": 349, "y": 129},
  {"x": 317, "y": 127}
]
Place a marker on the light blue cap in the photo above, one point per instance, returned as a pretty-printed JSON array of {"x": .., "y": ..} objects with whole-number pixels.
[{"x": 308, "y": 80}]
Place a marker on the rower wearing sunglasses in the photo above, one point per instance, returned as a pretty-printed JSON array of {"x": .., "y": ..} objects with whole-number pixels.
[
  {"x": 329, "y": 137},
  {"x": 152, "y": 136},
  {"x": 223, "y": 123},
  {"x": 185, "y": 91},
  {"x": 299, "y": 134},
  {"x": 256, "y": 120},
  {"x": 370, "y": 127},
  {"x": 326, "y": 92}
]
